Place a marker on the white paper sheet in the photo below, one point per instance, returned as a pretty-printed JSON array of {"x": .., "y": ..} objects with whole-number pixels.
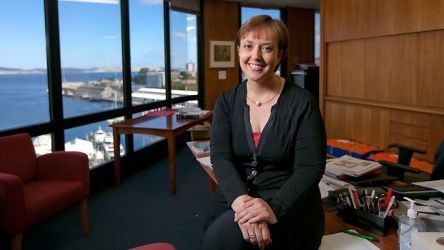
[
  {"x": 437, "y": 185},
  {"x": 342, "y": 241}
]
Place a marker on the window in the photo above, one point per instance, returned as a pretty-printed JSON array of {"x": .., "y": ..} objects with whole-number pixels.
[
  {"x": 249, "y": 12},
  {"x": 23, "y": 72},
  {"x": 91, "y": 56},
  {"x": 147, "y": 51},
  {"x": 317, "y": 38},
  {"x": 92, "y": 84},
  {"x": 183, "y": 54},
  {"x": 42, "y": 144}
]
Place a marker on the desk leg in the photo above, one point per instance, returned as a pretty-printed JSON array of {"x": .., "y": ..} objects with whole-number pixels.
[
  {"x": 116, "y": 138},
  {"x": 172, "y": 162}
]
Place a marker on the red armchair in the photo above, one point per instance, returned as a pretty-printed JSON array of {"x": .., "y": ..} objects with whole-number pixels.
[{"x": 34, "y": 188}]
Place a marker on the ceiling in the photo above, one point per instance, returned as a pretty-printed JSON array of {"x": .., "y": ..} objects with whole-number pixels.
[{"x": 307, "y": 4}]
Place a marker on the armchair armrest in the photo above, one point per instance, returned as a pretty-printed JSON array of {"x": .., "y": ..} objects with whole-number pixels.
[
  {"x": 398, "y": 170},
  {"x": 405, "y": 152},
  {"x": 12, "y": 203},
  {"x": 64, "y": 165}
]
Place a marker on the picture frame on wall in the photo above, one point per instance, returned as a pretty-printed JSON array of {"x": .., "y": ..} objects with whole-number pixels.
[{"x": 221, "y": 54}]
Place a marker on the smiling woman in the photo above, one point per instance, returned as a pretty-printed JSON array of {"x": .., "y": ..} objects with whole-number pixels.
[{"x": 267, "y": 144}]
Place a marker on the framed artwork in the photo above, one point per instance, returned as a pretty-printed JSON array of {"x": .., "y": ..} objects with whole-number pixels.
[{"x": 221, "y": 54}]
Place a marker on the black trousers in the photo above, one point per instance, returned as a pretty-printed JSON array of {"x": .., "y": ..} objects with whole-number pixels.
[{"x": 293, "y": 231}]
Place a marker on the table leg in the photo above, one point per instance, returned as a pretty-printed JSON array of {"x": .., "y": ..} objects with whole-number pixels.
[
  {"x": 116, "y": 139},
  {"x": 172, "y": 162}
]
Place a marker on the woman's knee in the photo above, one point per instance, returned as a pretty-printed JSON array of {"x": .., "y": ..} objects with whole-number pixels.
[{"x": 223, "y": 233}]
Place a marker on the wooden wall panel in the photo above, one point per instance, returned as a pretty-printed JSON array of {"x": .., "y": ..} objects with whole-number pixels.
[
  {"x": 300, "y": 23},
  {"x": 384, "y": 59},
  {"x": 431, "y": 74},
  {"x": 334, "y": 69},
  {"x": 436, "y": 135},
  {"x": 373, "y": 18},
  {"x": 357, "y": 122},
  {"x": 403, "y": 69},
  {"x": 221, "y": 22},
  {"x": 416, "y": 130},
  {"x": 345, "y": 56}
]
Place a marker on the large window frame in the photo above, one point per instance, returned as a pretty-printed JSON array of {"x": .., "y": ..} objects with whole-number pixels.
[{"x": 58, "y": 124}]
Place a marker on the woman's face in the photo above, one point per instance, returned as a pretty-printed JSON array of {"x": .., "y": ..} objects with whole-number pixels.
[{"x": 259, "y": 54}]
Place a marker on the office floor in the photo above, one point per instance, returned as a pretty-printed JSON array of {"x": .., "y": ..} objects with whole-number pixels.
[{"x": 140, "y": 211}]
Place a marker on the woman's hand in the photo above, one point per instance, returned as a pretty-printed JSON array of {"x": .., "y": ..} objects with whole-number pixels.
[
  {"x": 239, "y": 203},
  {"x": 257, "y": 234},
  {"x": 255, "y": 210}
]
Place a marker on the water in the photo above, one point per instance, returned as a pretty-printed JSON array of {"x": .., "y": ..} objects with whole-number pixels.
[{"x": 24, "y": 101}]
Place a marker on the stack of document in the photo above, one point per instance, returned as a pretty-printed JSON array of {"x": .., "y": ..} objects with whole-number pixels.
[
  {"x": 328, "y": 183},
  {"x": 190, "y": 113},
  {"x": 350, "y": 166}
]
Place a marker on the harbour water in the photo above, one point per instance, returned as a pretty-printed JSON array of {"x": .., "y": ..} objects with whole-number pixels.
[{"x": 24, "y": 101}]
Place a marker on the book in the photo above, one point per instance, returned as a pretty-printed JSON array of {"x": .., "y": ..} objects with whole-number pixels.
[
  {"x": 190, "y": 113},
  {"x": 351, "y": 166},
  {"x": 199, "y": 148}
]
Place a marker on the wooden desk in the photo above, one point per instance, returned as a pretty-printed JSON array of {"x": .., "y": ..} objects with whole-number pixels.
[
  {"x": 165, "y": 126},
  {"x": 333, "y": 223}
]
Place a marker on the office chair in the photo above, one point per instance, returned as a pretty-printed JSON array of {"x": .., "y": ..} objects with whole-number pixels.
[{"x": 404, "y": 158}]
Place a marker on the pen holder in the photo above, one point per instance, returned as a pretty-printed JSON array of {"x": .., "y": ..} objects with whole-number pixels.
[{"x": 367, "y": 221}]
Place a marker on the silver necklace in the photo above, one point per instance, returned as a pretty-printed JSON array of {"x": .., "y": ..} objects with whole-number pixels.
[{"x": 259, "y": 103}]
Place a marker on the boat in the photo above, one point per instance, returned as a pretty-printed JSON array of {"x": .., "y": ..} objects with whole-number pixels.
[{"x": 108, "y": 146}]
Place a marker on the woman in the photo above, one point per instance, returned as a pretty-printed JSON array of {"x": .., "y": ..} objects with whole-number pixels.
[{"x": 267, "y": 151}]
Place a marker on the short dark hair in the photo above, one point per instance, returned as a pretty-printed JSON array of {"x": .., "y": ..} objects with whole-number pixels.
[{"x": 277, "y": 26}]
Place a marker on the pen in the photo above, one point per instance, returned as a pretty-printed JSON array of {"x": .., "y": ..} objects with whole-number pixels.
[
  {"x": 365, "y": 236},
  {"x": 387, "y": 198},
  {"x": 389, "y": 206}
]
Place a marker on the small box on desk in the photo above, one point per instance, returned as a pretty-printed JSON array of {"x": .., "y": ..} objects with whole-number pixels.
[
  {"x": 339, "y": 147},
  {"x": 368, "y": 221}
]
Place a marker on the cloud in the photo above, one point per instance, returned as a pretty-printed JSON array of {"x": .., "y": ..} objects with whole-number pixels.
[
  {"x": 190, "y": 28},
  {"x": 180, "y": 35},
  {"x": 190, "y": 18},
  {"x": 150, "y": 2},
  {"x": 93, "y": 1}
]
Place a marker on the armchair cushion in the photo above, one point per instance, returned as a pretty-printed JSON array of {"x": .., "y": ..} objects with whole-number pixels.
[
  {"x": 63, "y": 165},
  {"x": 46, "y": 198}
]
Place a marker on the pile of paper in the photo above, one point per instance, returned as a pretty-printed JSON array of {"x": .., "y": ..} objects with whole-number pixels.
[{"x": 350, "y": 166}]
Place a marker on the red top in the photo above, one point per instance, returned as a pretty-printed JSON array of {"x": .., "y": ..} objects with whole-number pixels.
[{"x": 256, "y": 137}]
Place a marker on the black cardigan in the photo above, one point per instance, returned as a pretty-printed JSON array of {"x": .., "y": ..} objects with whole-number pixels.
[{"x": 290, "y": 155}]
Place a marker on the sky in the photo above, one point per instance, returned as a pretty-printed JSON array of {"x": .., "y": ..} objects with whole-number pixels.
[{"x": 90, "y": 34}]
